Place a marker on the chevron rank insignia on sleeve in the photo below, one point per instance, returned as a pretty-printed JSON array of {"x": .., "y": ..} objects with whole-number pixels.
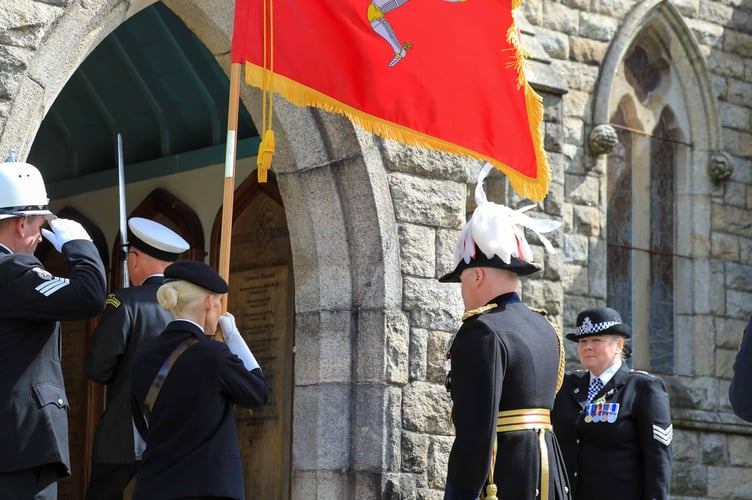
[
  {"x": 663, "y": 436},
  {"x": 52, "y": 285},
  {"x": 112, "y": 300}
]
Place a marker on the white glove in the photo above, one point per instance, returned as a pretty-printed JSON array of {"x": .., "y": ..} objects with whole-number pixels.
[
  {"x": 65, "y": 230},
  {"x": 236, "y": 343}
]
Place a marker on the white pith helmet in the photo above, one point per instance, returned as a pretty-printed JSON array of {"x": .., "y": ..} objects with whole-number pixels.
[{"x": 22, "y": 191}]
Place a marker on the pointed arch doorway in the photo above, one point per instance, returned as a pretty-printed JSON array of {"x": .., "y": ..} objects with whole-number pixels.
[{"x": 261, "y": 297}]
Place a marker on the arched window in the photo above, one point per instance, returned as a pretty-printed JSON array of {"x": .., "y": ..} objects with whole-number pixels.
[{"x": 655, "y": 92}]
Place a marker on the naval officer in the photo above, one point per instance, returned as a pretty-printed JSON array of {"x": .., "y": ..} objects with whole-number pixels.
[{"x": 131, "y": 316}]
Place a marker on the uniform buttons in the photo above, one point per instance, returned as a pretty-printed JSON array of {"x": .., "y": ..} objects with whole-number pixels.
[
  {"x": 578, "y": 441},
  {"x": 60, "y": 402},
  {"x": 575, "y": 474}
]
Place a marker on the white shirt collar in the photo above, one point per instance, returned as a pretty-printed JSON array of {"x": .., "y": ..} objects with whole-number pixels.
[
  {"x": 5, "y": 247},
  {"x": 608, "y": 373}
]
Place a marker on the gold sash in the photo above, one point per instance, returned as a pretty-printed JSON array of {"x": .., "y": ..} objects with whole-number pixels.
[{"x": 537, "y": 419}]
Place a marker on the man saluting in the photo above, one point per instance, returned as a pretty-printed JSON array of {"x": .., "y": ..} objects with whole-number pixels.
[{"x": 33, "y": 403}]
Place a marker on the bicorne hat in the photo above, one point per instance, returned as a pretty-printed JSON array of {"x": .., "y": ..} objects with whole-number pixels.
[
  {"x": 599, "y": 321},
  {"x": 495, "y": 237}
]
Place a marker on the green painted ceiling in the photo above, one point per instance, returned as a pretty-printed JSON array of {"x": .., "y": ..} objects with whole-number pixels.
[{"x": 155, "y": 83}]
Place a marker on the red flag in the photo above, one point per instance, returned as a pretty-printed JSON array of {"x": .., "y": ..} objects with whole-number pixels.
[{"x": 434, "y": 73}]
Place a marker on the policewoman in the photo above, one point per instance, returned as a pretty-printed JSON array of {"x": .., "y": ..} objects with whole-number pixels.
[
  {"x": 131, "y": 317},
  {"x": 185, "y": 387},
  {"x": 613, "y": 423},
  {"x": 33, "y": 404},
  {"x": 506, "y": 360}
]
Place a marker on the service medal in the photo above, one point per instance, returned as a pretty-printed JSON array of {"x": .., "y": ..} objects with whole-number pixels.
[
  {"x": 588, "y": 413},
  {"x": 613, "y": 412},
  {"x": 597, "y": 413}
]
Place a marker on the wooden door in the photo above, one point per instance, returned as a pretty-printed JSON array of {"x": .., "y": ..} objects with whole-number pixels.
[{"x": 261, "y": 299}]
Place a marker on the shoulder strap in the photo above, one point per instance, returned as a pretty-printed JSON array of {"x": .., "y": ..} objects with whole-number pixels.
[
  {"x": 562, "y": 356},
  {"x": 562, "y": 353},
  {"x": 156, "y": 386}
]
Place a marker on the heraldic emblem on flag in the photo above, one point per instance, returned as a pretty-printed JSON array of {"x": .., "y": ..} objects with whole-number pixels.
[{"x": 442, "y": 74}]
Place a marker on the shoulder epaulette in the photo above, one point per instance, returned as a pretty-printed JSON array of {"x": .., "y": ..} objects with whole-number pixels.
[
  {"x": 639, "y": 371},
  {"x": 477, "y": 312},
  {"x": 112, "y": 300},
  {"x": 540, "y": 311}
]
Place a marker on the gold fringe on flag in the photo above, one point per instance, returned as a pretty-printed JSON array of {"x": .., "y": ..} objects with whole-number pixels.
[{"x": 298, "y": 94}]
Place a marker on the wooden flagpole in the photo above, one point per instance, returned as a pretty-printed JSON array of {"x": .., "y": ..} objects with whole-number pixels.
[{"x": 225, "y": 241}]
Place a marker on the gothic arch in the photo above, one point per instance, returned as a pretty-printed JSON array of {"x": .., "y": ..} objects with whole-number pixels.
[
  {"x": 669, "y": 29},
  {"x": 688, "y": 111},
  {"x": 344, "y": 240}
]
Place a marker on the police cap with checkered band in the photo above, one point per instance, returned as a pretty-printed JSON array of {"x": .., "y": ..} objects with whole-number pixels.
[{"x": 599, "y": 321}]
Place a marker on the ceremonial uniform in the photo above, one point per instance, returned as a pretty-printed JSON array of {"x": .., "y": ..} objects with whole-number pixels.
[
  {"x": 740, "y": 394},
  {"x": 506, "y": 360},
  {"x": 131, "y": 317},
  {"x": 192, "y": 448},
  {"x": 33, "y": 402},
  {"x": 185, "y": 387},
  {"x": 613, "y": 423},
  {"x": 619, "y": 446}
]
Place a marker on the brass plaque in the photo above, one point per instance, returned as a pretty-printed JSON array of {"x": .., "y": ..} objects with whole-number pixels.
[{"x": 258, "y": 299}]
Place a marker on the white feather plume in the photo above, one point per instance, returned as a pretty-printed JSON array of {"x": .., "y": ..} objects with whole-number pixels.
[{"x": 499, "y": 230}]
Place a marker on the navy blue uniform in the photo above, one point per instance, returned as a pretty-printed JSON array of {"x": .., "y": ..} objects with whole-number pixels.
[
  {"x": 131, "y": 317},
  {"x": 627, "y": 459},
  {"x": 191, "y": 441},
  {"x": 33, "y": 403},
  {"x": 740, "y": 392},
  {"x": 506, "y": 358}
]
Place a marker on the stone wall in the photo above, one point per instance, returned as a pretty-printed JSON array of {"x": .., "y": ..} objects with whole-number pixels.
[
  {"x": 713, "y": 448},
  {"x": 372, "y": 414}
]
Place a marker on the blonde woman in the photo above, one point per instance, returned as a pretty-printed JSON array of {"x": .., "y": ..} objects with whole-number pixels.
[{"x": 185, "y": 386}]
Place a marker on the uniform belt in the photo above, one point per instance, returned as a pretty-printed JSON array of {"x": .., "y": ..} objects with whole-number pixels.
[
  {"x": 517, "y": 420},
  {"x": 537, "y": 419}
]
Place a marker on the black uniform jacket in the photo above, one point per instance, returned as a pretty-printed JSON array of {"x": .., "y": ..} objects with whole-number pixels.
[
  {"x": 504, "y": 359},
  {"x": 33, "y": 403},
  {"x": 628, "y": 459},
  {"x": 131, "y": 316},
  {"x": 740, "y": 392},
  {"x": 191, "y": 442}
]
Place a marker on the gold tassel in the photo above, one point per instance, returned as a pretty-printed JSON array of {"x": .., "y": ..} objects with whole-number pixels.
[
  {"x": 264, "y": 157},
  {"x": 491, "y": 492}
]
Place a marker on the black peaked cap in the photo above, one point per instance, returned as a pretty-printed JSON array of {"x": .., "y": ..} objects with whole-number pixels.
[{"x": 196, "y": 272}]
